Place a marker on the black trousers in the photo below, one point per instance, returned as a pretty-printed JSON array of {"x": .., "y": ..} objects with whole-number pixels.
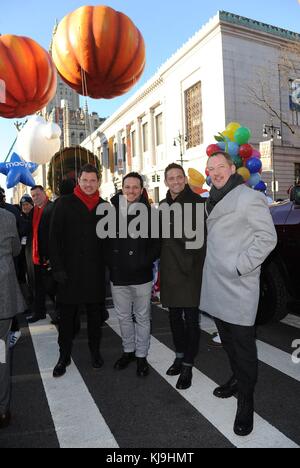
[
  {"x": 39, "y": 299},
  {"x": 67, "y": 327},
  {"x": 239, "y": 343},
  {"x": 41, "y": 290},
  {"x": 186, "y": 332}
]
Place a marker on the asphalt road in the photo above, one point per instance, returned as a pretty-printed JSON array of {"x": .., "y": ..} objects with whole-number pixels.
[{"x": 111, "y": 409}]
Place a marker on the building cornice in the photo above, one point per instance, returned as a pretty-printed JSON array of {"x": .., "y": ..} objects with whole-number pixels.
[{"x": 258, "y": 26}]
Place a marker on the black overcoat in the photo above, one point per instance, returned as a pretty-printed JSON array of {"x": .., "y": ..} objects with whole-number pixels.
[
  {"x": 76, "y": 251},
  {"x": 181, "y": 269}
]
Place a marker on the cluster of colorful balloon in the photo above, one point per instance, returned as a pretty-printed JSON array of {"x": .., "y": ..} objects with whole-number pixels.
[{"x": 235, "y": 141}]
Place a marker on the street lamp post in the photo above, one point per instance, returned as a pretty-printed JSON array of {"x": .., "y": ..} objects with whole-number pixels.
[
  {"x": 272, "y": 131},
  {"x": 180, "y": 140}
]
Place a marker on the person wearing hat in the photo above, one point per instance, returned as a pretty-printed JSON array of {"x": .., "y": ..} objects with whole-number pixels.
[{"x": 26, "y": 205}]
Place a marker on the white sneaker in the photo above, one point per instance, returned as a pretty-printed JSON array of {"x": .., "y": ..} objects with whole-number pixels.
[{"x": 14, "y": 338}]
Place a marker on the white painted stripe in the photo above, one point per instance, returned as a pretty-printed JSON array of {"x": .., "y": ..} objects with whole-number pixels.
[
  {"x": 267, "y": 354},
  {"x": 278, "y": 359},
  {"x": 220, "y": 413},
  {"x": 292, "y": 321},
  {"x": 76, "y": 417}
]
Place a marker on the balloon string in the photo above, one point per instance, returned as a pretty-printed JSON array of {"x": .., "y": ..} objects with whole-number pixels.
[
  {"x": 18, "y": 126},
  {"x": 10, "y": 150}
]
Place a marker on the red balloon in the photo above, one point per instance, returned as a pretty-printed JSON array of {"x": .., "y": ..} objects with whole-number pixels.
[
  {"x": 246, "y": 151},
  {"x": 256, "y": 154},
  {"x": 207, "y": 172},
  {"x": 212, "y": 149}
]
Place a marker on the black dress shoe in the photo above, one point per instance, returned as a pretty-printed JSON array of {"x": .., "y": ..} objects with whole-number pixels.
[
  {"x": 185, "y": 379},
  {"x": 5, "y": 419},
  {"x": 142, "y": 367},
  {"x": 227, "y": 390},
  {"x": 124, "y": 361},
  {"x": 97, "y": 361},
  {"x": 61, "y": 367},
  {"x": 243, "y": 425},
  {"x": 175, "y": 368}
]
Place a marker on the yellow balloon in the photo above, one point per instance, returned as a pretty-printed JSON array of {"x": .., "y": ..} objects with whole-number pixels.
[
  {"x": 231, "y": 128},
  {"x": 245, "y": 173},
  {"x": 196, "y": 179},
  {"x": 228, "y": 135}
]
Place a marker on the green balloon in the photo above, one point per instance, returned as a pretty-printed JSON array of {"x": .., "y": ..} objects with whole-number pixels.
[
  {"x": 242, "y": 136},
  {"x": 238, "y": 162}
]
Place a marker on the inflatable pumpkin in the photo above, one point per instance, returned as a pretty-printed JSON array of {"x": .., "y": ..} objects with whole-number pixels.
[
  {"x": 98, "y": 52},
  {"x": 27, "y": 75}
]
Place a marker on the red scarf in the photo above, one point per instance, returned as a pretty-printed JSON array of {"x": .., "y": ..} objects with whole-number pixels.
[
  {"x": 37, "y": 216},
  {"x": 90, "y": 201}
]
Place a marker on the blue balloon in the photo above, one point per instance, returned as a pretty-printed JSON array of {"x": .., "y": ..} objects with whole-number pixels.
[
  {"x": 254, "y": 165},
  {"x": 208, "y": 181},
  {"x": 18, "y": 170},
  {"x": 222, "y": 145},
  {"x": 261, "y": 187},
  {"x": 254, "y": 180},
  {"x": 233, "y": 149}
]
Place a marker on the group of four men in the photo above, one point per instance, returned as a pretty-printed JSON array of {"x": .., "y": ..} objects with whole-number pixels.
[{"x": 240, "y": 235}]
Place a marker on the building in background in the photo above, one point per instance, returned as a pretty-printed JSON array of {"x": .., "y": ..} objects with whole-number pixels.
[{"x": 217, "y": 77}]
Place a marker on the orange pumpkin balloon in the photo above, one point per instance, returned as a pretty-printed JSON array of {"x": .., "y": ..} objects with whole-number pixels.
[
  {"x": 99, "y": 52},
  {"x": 28, "y": 76}
]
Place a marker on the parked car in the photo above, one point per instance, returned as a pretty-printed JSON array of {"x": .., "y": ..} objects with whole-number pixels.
[{"x": 280, "y": 283}]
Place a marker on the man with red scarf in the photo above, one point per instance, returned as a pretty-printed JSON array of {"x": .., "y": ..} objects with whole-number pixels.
[
  {"x": 76, "y": 255},
  {"x": 37, "y": 251}
]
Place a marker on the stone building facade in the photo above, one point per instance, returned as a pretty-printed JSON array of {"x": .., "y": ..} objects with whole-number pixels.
[{"x": 213, "y": 79}]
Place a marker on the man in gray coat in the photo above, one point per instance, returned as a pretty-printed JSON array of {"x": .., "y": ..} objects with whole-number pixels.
[
  {"x": 241, "y": 235},
  {"x": 11, "y": 304}
]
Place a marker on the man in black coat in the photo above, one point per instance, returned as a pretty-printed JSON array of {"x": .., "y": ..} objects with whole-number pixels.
[
  {"x": 131, "y": 261},
  {"x": 181, "y": 273},
  {"x": 37, "y": 253},
  {"x": 78, "y": 266}
]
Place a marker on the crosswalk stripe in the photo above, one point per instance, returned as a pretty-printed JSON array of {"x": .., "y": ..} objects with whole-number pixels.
[
  {"x": 278, "y": 359},
  {"x": 267, "y": 354},
  {"x": 292, "y": 321},
  {"x": 220, "y": 413},
  {"x": 76, "y": 417}
]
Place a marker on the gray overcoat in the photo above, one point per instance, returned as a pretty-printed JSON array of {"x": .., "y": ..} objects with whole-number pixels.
[
  {"x": 241, "y": 235},
  {"x": 11, "y": 299}
]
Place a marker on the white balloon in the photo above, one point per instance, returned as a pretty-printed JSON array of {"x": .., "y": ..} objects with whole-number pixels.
[{"x": 38, "y": 141}]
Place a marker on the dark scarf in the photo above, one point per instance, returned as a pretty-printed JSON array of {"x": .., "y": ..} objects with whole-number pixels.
[
  {"x": 181, "y": 198},
  {"x": 216, "y": 195}
]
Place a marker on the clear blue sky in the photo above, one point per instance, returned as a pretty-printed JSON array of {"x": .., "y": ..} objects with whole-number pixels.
[{"x": 165, "y": 25}]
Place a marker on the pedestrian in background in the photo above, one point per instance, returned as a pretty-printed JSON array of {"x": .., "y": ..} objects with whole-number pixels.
[
  {"x": 37, "y": 253},
  {"x": 11, "y": 304}
]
